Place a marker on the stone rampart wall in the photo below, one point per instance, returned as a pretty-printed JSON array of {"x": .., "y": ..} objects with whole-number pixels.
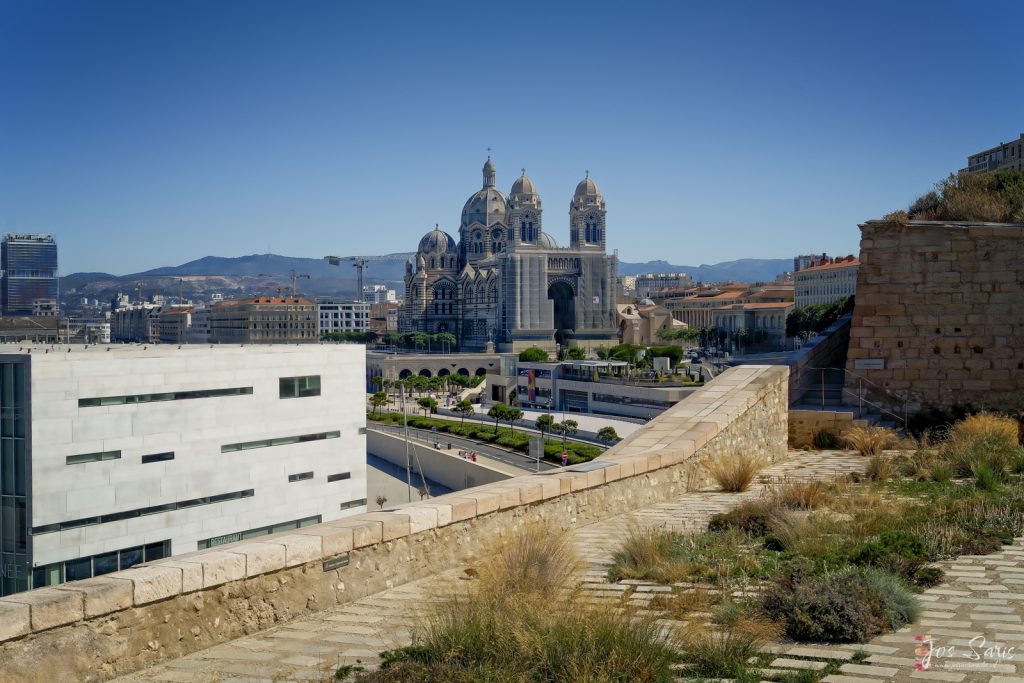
[
  {"x": 804, "y": 424},
  {"x": 95, "y": 629},
  {"x": 939, "y": 319}
]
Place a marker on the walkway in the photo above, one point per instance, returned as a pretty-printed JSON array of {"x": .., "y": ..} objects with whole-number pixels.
[{"x": 982, "y": 598}]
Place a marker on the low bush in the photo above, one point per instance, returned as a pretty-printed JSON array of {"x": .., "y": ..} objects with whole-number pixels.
[
  {"x": 879, "y": 469},
  {"x": 900, "y": 552},
  {"x": 851, "y": 605},
  {"x": 734, "y": 472},
  {"x": 983, "y": 446},
  {"x": 870, "y": 440},
  {"x": 752, "y": 517},
  {"x": 825, "y": 440}
]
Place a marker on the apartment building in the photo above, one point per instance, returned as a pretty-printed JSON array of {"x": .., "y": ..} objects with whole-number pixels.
[
  {"x": 827, "y": 282},
  {"x": 264, "y": 320},
  {"x": 335, "y": 315},
  {"x": 1006, "y": 156}
]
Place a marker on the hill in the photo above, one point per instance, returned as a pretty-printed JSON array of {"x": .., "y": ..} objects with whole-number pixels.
[{"x": 241, "y": 275}]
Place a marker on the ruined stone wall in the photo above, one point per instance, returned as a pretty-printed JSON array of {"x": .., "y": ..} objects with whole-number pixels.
[
  {"x": 101, "y": 627},
  {"x": 939, "y": 318}
]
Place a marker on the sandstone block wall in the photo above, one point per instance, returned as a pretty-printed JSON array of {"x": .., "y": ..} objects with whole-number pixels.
[
  {"x": 804, "y": 424},
  {"x": 102, "y": 627},
  {"x": 940, "y": 316}
]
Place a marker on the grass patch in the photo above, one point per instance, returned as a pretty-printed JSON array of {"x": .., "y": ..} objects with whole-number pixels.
[
  {"x": 870, "y": 440},
  {"x": 522, "y": 622}
]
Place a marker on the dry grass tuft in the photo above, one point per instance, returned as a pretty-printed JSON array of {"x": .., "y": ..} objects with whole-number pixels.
[
  {"x": 734, "y": 472},
  {"x": 801, "y": 495},
  {"x": 870, "y": 440},
  {"x": 538, "y": 559},
  {"x": 725, "y": 652}
]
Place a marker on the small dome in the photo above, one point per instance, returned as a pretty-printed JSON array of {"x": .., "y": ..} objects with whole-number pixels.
[
  {"x": 587, "y": 188},
  {"x": 489, "y": 166},
  {"x": 523, "y": 188},
  {"x": 486, "y": 206},
  {"x": 647, "y": 302},
  {"x": 437, "y": 241},
  {"x": 547, "y": 241}
]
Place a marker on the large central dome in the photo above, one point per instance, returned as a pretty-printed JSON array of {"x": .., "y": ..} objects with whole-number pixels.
[{"x": 487, "y": 205}]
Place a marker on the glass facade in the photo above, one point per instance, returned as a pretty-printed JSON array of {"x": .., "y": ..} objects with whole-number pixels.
[
  {"x": 14, "y": 480},
  {"x": 97, "y": 565},
  {"x": 29, "y": 264},
  {"x": 261, "y": 531},
  {"x": 299, "y": 387}
]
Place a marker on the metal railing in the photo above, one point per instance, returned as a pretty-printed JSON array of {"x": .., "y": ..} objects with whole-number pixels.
[{"x": 860, "y": 393}]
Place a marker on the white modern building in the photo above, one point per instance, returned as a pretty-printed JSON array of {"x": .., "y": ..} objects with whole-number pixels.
[
  {"x": 115, "y": 455},
  {"x": 377, "y": 294},
  {"x": 337, "y": 315}
]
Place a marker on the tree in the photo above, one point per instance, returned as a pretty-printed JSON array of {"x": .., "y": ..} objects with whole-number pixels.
[
  {"x": 378, "y": 400},
  {"x": 533, "y": 355},
  {"x": 575, "y": 353},
  {"x": 428, "y": 404},
  {"x": 607, "y": 435},
  {"x": 463, "y": 408},
  {"x": 435, "y": 383},
  {"x": 544, "y": 424},
  {"x": 513, "y": 415},
  {"x": 499, "y": 411},
  {"x": 567, "y": 427},
  {"x": 381, "y": 500}
]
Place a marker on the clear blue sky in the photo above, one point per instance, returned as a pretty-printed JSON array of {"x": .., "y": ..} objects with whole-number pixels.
[{"x": 146, "y": 133}]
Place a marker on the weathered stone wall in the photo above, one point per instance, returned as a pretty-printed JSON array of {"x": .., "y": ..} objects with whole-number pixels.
[
  {"x": 804, "y": 424},
  {"x": 940, "y": 307},
  {"x": 95, "y": 629},
  {"x": 827, "y": 350}
]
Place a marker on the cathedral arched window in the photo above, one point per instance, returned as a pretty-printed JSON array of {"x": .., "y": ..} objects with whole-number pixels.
[{"x": 432, "y": 262}]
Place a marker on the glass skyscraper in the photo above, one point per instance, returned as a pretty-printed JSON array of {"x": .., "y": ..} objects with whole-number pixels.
[{"x": 29, "y": 264}]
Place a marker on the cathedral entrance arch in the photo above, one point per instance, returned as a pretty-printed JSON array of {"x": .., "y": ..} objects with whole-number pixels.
[{"x": 564, "y": 298}]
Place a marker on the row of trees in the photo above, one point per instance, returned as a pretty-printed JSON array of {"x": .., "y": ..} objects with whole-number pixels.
[
  {"x": 442, "y": 341},
  {"x": 806, "y": 321}
]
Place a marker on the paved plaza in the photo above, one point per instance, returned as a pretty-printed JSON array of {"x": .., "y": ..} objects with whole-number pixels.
[{"x": 973, "y": 618}]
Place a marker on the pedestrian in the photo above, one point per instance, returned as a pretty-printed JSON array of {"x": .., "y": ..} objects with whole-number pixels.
[{"x": 474, "y": 456}]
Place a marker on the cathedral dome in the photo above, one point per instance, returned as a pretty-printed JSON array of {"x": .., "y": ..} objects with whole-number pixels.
[
  {"x": 486, "y": 206},
  {"x": 523, "y": 188},
  {"x": 587, "y": 188},
  {"x": 437, "y": 241},
  {"x": 547, "y": 241}
]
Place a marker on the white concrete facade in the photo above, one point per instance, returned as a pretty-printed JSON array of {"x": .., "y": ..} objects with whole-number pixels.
[
  {"x": 343, "y": 316},
  {"x": 331, "y": 421}
]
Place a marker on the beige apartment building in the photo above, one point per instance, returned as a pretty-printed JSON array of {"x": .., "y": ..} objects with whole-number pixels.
[
  {"x": 1006, "y": 156},
  {"x": 827, "y": 282},
  {"x": 264, "y": 320}
]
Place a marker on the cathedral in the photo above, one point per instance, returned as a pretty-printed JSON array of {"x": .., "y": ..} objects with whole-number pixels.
[{"x": 507, "y": 284}]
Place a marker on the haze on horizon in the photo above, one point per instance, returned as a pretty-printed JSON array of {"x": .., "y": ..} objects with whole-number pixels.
[{"x": 151, "y": 134}]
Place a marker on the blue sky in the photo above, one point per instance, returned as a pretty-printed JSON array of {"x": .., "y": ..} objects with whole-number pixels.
[{"x": 151, "y": 133}]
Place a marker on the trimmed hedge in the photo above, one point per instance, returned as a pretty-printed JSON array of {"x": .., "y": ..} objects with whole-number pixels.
[{"x": 505, "y": 437}]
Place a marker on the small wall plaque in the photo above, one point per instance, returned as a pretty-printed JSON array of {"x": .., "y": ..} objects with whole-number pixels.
[
  {"x": 336, "y": 562},
  {"x": 869, "y": 364}
]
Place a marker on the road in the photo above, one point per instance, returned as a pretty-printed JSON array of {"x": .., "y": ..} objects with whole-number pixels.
[{"x": 483, "y": 450}]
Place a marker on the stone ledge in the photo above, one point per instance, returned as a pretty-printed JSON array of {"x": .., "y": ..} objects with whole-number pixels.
[{"x": 668, "y": 445}]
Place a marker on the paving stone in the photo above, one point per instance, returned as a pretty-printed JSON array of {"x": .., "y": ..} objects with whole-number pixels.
[
  {"x": 863, "y": 670},
  {"x": 785, "y": 663}
]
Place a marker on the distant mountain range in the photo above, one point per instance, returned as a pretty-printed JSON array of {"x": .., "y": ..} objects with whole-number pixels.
[{"x": 268, "y": 272}]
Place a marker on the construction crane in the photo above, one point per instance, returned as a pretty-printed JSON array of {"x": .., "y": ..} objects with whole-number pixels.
[
  {"x": 295, "y": 277},
  {"x": 359, "y": 263}
]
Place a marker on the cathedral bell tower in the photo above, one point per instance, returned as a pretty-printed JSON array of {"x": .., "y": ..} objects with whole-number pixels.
[
  {"x": 524, "y": 212},
  {"x": 586, "y": 216}
]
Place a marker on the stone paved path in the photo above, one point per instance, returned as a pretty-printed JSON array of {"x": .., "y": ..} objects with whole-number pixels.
[{"x": 983, "y": 596}]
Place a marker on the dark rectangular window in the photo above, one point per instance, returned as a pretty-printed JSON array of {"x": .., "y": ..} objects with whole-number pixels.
[
  {"x": 166, "y": 396},
  {"x": 299, "y": 387},
  {"x": 353, "y": 504},
  {"x": 92, "y": 457},
  {"x": 253, "y": 533},
  {"x": 129, "y": 514},
  {"x": 157, "y": 457},
  {"x": 97, "y": 565},
  {"x": 301, "y": 476},
  {"x": 339, "y": 476},
  {"x": 279, "y": 441}
]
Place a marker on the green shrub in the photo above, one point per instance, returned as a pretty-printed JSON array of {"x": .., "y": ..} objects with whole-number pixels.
[
  {"x": 533, "y": 355},
  {"x": 726, "y": 653},
  {"x": 899, "y": 552},
  {"x": 851, "y": 605},
  {"x": 752, "y": 517},
  {"x": 824, "y": 440}
]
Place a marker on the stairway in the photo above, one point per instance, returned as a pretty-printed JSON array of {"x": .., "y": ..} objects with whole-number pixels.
[{"x": 827, "y": 393}]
